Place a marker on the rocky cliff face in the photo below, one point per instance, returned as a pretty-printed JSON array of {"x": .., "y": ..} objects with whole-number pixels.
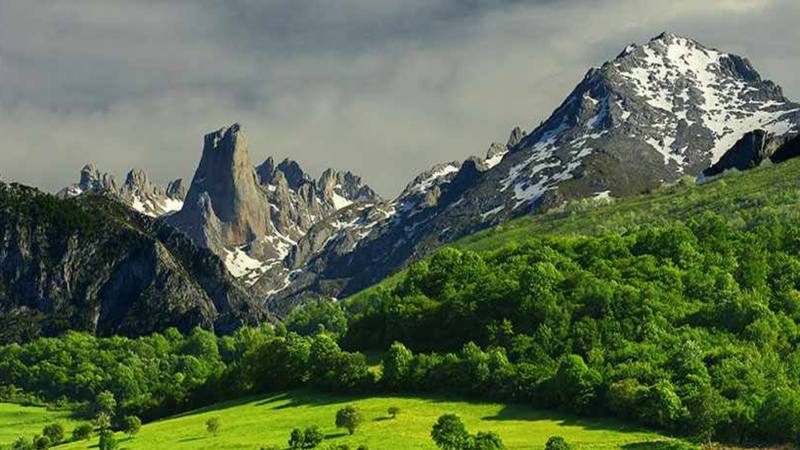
[
  {"x": 92, "y": 264},
  {"x": 138, "y": 191},
  {"x": 755, "y": 148},
  {"x": 253, "y": 217}
]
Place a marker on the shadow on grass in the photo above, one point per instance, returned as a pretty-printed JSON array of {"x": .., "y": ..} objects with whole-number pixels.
[
  {"x": 382, "y": 419},
  {"x": 655, "y": 446},
  {"x": 526, "y": 414},
  {"x": 192, "y": 439},
  {"x": 336, "y": 435}
]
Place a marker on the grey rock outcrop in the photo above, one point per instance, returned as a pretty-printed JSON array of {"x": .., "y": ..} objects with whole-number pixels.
[{"x": 225, "y": 208}]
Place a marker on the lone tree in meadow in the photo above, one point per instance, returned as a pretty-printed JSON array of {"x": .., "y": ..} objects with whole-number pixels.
[
  {"x": 557, "y": 443},
  {"x": 349, "y": 418},
  {"x": 131, "y": 425},
  {"x": 449, "y": 433},
  {"x": 394, "y": 411},
  {"x": 213, "y": 425}
]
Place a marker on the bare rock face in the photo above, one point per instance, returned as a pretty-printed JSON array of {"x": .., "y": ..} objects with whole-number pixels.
[
  {"x": 750, "y": 151},
  {"x": 225, "y": 208}
]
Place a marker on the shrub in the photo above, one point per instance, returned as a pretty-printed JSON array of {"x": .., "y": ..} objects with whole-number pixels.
[
  {"x": 107, "y": 440},
  {"x": 213, "y": 425},
  {"x": 312, "y": 437},
  {"x": 131, "y": 425},
  {"x": 54, "y": 432},
  {"x": 557, "y": 443},
  {"x": 394, "y": 411},
  {"x": 297, "y": 439},
  {"x": 41, "y": 442},
  {"x": 82, "y": 432}
]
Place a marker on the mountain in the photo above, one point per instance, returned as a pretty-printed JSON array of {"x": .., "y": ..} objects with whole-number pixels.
[
  {"x": 656, "y": 113},
  {"x": 137, "y": 191},
  {"x": 253, "y": 216},
  {"x": 93, "y": 264}
]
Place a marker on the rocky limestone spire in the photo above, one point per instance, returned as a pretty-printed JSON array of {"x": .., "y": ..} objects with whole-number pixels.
[
  {"x": 224, "y": 194},
  {"x": 517, "y": 135},
  {"x": 176, "y": 190}
]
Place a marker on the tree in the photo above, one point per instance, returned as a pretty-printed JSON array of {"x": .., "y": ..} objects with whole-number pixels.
[
  {"x": 779, "y": 416},
  {"x": 297, "y": 439},
  {"x": 131, "y": 425},
  {"x": 41, "y": 442},
  {"x": 213, "y": 425},
  {"x": 22, "y": 444},
  {"x": 82, "y": 432},
  {"x": 396, "y": 366},
  {"x": 54, "y": 432},
  {"x": 576, "y": 384},
  {"x": 394, "y": 411},
  {"x": 449, "y": 433},
  {"x": 349, "y": 418},
  {"x": 487, "y": 441},
  {"x": 312, "y": 437},
  {"x": 557, "y": 443},
  {"x": 107, "y": 440},
  {"x": 105, "y": 403}
]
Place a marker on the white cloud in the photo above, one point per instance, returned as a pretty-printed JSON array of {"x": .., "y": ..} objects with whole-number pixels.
[{"x": 383, "y": 88}]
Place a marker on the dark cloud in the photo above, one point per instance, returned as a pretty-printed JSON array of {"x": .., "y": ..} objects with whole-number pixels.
[{"x": 384, "y": 88}]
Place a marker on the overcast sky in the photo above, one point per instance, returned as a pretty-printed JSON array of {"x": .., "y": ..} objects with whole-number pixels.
[{"x": 384, "y": 88}]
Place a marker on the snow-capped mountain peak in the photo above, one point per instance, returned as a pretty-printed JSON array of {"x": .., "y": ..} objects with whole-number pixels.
[{"x": 669, "y": 108}]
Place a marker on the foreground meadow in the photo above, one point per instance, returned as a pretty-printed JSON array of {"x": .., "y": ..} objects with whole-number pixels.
[{"x": 267, "y": 421}]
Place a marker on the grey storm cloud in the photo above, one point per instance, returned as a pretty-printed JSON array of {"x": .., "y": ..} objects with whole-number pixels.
[{"x": 384, "y": 88}]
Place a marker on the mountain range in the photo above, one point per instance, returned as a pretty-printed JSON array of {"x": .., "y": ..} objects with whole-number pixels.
[{"x": 658, "y": 112}]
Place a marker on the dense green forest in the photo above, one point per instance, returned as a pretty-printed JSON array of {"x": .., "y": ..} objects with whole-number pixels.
[
  {"x": 690, "y": 328},
  {"x": 678, "y": 310}
]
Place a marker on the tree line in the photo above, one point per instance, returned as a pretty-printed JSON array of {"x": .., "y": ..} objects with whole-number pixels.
[{"x": 690, "y": 328}]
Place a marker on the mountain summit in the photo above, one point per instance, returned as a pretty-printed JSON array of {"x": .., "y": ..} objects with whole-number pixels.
[{"x": 657, "y": 112}]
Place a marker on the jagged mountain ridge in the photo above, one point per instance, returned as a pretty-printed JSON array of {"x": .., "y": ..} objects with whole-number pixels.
[
  {"x": 253, "y": 216},
  {"x": 655, "y": 113},
  {"x": 92, "y": 264},
  {"x": 137, "y": 191}
]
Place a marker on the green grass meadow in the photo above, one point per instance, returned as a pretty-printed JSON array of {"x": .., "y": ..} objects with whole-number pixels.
[
  {"x": 264, "y": 421},
  {"x": 28, "y": 421}
]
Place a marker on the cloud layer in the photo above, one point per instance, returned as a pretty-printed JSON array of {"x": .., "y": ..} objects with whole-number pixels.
[{"x": 383, "y": 88}]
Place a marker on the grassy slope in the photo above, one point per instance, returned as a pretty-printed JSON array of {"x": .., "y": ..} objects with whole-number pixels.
[
  {"x": 253, "y": 422},
  {"x": 736, "y": 196},
  {"x": 27, "y": 421}
]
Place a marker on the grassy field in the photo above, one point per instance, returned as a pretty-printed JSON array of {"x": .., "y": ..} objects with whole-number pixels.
[
  {"x": 255, "y": 422},
  {"x": 27, "y": 421}
]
